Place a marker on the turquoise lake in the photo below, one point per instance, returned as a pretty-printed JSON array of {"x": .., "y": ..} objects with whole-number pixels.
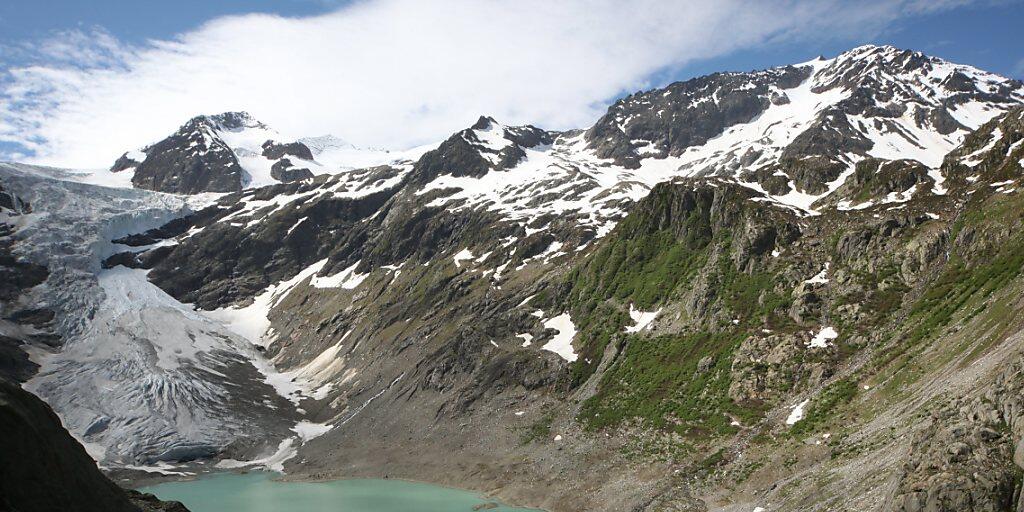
[{"x": 258, "y": 492}]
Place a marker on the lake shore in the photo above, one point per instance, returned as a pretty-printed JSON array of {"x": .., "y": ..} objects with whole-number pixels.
[{"x": 230, "y": 490}]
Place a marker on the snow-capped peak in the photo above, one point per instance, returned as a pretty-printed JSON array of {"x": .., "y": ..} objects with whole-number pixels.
[
  {"x": 233, "y": 121},
  {"x": 794, "y": 134},
  {"x": 916, "y": 76},
  {"x": 489, "y": 136}
]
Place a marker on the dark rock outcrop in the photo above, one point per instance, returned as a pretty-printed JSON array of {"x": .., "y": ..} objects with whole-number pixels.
[
  {"x": 44, "y": 468},
  {"x": 17, "y": 275},
  {"x": 874, "y": 180},
  {"x": 277, "y": 150},
  {"x": 14, "y": 362},
  {"x": 465, "y": 154},
  {"x": 191, "y": 161},
  {"x": 687, "y": 113},
  {"x": 12, "y": 203},
  {"x": 970, "y": 456},
  {"x": 285, "y": 171},
  {"x": 991, "y": 154},
  {"x": 194, "y": 159},
  {"x": 228, "y": 261},
  {"x": 123, "y": 163}
]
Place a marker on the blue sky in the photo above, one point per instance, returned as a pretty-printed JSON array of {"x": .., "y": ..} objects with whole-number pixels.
[
  {"x": 988, "y": 36},
  {"x": 136, "y": 20},
  {"x": 82, "y": 80}
]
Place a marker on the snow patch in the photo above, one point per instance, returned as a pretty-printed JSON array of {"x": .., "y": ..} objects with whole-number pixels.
[
  {"x": 641, "y": 319},
  {"x": 821, "y": 277},
  {"x": 973, "y": 159},
  {"x": 347, "y": 279},
  {"x": 160, "y": 467},
  {"x": 561, "y": 344},
  {"x": 286, "y": 451},
  {"x": 822, "y": 338},
  {"x": 797, "y": 413},
  {"x": 251, "y": 321},
  {"x": 461, "y": 256},
  {"x": 300, "y": 221},
  {"x": 308, "y": 431}
]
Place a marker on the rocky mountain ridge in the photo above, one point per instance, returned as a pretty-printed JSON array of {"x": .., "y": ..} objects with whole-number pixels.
[
  {"x": 752, "y": 301},
  {"x": 232, "y": 151},
  {"x": 207, "y": 153}
]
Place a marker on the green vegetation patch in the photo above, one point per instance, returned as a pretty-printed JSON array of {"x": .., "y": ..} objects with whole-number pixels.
[
  {"x": 658, "y": 380},
  {"x": 639, "y": 264},
  {"x": 643, "y": 267},
  {"x": 540, "y": 429},
  {"x": 954, "y": 289},
  {"x": 823, "y": 407},
  {"x": 753, "y": 297}
]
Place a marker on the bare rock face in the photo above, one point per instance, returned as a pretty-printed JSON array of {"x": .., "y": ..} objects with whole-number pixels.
[
  {"x": 967, "y": 458},
  {"x": 766, "y": 367},
  {"x": 44, "y": 468},
  {"x": 475, "y": 151},
  {"x": 277, "y": 150},
  {"x": 420, "y": 299},
  {"x": 192, "y": 160},
  {"x": 684, "y": 114},
  {"x": 124, "y": 162},
  {"x": 285, "y": 171},
  {"x": 990, "y": 154},
  {"x": 196, "y": 158},
  {"x": 875, "y": 179}
]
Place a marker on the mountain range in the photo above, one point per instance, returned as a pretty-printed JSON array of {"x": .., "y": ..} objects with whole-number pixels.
[{"x": 790, "y": 289}]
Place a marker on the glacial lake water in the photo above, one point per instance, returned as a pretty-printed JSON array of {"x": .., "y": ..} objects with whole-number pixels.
[{"x": 258, "y": 492}]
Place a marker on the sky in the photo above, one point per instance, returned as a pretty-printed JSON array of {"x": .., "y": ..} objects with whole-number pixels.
[{"x": 81, "y": 82}]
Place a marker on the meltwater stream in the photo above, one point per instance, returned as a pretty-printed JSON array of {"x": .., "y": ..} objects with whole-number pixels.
[{"x": 258, "y": 492}]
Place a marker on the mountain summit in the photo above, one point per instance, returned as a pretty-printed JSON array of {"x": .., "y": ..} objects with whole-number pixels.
[
  {"x": 789, "y": 289},
  {"x": 795, "y": 130},
  {"x": 218, "y": 153}
]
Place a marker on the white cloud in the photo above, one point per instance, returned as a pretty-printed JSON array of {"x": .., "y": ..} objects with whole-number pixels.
[{"x": 392, "y": 73}]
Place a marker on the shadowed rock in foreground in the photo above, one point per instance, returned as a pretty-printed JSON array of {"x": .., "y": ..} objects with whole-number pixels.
[{"x": 44, "y": 468}]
